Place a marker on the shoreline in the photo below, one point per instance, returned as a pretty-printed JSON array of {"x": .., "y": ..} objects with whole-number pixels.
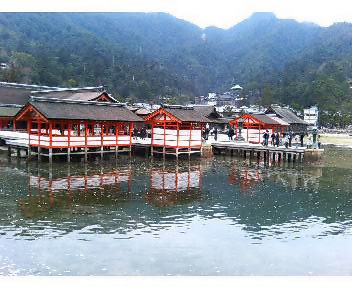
[{"x": 338, "y": 140}]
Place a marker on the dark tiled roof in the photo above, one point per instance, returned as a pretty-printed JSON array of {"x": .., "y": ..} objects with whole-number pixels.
[
  {"x": 83, "y": 110},
  {"x": 9, "y": 111},
  {"x": 265, "y": 119},
  {"x": 9, "y": 95},
  {"x": 12, "y": 93},
  {"x": 74, "y": 95},
  {"x": 286, "y": 114}
]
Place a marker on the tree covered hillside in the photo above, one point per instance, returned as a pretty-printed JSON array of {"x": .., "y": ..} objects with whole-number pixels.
[{"x": 142, "y": 56}]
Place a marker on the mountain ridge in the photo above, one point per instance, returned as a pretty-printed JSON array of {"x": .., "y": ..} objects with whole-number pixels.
[{"x": 145, "y": 56}]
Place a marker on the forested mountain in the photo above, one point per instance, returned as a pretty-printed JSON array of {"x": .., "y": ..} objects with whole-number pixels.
[{"x": 146, "y": 55}]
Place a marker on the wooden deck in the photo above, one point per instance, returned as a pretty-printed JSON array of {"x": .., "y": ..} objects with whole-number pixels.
[
  {"x": 281, "y": 153},
  {"x": 18, "y": 141}
]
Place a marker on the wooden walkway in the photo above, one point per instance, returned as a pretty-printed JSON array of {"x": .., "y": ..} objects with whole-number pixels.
[
  {"x": 273, "y": 153},
  {"x": 17, "y": 141}
]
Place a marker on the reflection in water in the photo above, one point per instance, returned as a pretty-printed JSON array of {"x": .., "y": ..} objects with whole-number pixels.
[
  {"x": 173, "y": 185},
  {"x": 179, "y": 212},
  {"x": 46, "y": 194},
  {"x": 248, "y": 176}
]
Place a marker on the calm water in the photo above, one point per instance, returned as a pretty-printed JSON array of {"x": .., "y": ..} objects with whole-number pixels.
[{"x": 218, "y": 216}]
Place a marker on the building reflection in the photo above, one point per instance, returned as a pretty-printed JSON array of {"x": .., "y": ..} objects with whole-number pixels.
[
  {"x": 50, "y": 192},
  {"x": 174, "y": 185},
  {"x": 89, "y": 186},
  {"x": 249, "y": 175},
  {"x": 121, "y": 197},
  {"x": 245, "y": 177}
]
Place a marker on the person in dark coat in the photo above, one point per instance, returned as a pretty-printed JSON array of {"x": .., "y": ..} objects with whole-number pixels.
[
  {"x": 301, "y": 137},
  {"x": 277, "y": 139},
  {"x": 206, "y": 133},
  {"x": 290, "y": 136},
  {"x": 143, "y": 133},
  {"x": 266, "y": 138},
  {"x": 135, "y": 133},
  {"x": 231, "y": 133},
  {"x": 215, "y": 133},
  {"x": 273, "y": 139}
]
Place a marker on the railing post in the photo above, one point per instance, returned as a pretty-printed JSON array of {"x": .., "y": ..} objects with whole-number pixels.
[
  {"x": 39, "y": 134},
  {"x": 69, "y": 128},
  {"x": 85, "y": 141},
  {"x": 102, "y": 140},
  {"x": 29, "y": 128},
  {"x": 50, "y": 142}
]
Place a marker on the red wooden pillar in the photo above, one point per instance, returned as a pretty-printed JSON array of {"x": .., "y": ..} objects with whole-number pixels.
[
  {"x": 152, "y": 140},
  {"x": 85, "y": 134},
  {"x": 164, "y": 130},
  {"x": 131, "y": 126},
  {"x": 102, "y": 134},
  {"x": 190, "y": 136},
  {"x": 29, "y": 128},
  {"x": 39, "y": 124},
  {"x": 247, "y": 130},
  {"x": 69, "y": 127},
  {"x": 117, "y": 133},
  {"x": 14, "y": 125},
  {"x": 178, "y": 133},
  {"x": 201, "y": 142},
  {"x": 50, "y": 134}
]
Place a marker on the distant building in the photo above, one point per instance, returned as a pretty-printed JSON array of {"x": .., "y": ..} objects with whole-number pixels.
[
  {"x": 236, "y": 87},
  {"x": 232, "y": 98},
  {"x": 287, "y": 115},
  {"x": 311, "y": 115}
]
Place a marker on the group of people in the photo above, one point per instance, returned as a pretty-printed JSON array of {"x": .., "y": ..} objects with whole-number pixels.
[
  {"x": 286, "y": 139},
  {"x": 213, "y": 132},
  {"x": 275, "y": 138},
  {"x": 141, "y": 133}
]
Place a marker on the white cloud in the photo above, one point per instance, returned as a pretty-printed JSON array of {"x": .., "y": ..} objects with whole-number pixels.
[{"x": 221, "y": 13}]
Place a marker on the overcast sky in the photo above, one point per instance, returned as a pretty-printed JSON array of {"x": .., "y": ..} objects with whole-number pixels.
[{"x": 221, "y": 13}]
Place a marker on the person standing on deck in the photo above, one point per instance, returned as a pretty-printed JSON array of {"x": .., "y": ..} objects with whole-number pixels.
[
  {"x": 216, "y": 134},
  {"x": 290, "y": 136},
  {"x": 301, "y": 137},
  {"x": 143, "y": 133},
  {"x": 266, "y": 138},
  {"x": 277, "y": 139},
  {"x": 231, "y": 133},
  {"x": 286, "y": 140},
  {"x": 206, "y": 133},
  {"x": 273, "y": 139},
  {"x": 135, "y": 133}
]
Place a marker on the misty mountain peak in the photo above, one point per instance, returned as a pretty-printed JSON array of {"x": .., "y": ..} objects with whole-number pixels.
[{"x": 262, "y": 16}]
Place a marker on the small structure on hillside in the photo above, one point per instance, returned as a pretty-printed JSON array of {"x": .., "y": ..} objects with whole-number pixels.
[
  {"x": 296, "y": 124},
  {"x": 178, "y": 129},
  {"x": 252, "y": 126},
  {"x": 63, "y": 127}
]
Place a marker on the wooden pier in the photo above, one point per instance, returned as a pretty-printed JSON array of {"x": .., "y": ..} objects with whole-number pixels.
[
  {"x": 273, "y": 153},
  {"x": 18, "y": 143}
]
